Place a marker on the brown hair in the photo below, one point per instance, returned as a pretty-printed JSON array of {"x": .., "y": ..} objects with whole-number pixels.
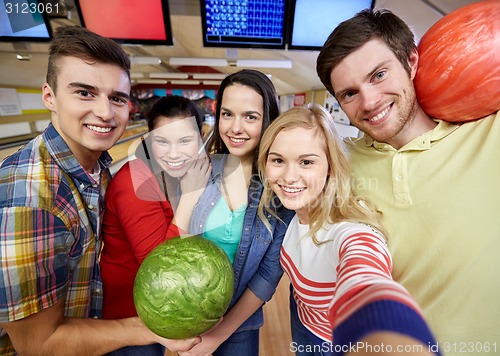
[
  {"x": 337, "y": 201},
  {"x": 173, "y": 106},
  {"x": 79, "y": 42},
  {"x": 355, "y": 32}
]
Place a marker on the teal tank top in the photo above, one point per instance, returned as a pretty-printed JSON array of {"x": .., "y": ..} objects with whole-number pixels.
[{"x": 225, "y": 227}]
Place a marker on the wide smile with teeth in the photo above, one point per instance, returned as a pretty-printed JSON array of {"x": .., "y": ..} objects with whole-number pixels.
[
  {"x": 380, "y": 115},
  {"x": 174, "y": 164},
  {"x": 99, "y": 129},
  {"x": 291, "y": 189},
  {"x": 237, "y": 140}
]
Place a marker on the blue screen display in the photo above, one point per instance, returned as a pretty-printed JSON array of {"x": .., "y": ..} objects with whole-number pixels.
[
  {"x": 314, "y": 20},
  {"x": 21, "y": 20},
  {"x": 243, "y": 23}
]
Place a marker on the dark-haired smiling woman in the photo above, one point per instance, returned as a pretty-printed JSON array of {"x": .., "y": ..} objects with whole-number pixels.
[{"x": 149, "y": 200}]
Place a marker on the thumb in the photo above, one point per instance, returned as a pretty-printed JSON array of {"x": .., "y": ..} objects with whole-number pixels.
[
  {"x": 190, "y": 343},
  {"x": 196, "y": 340},
  {"x": 183, "y": 345}
]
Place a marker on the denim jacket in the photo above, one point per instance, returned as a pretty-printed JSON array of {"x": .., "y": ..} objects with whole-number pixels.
[{"x": 257, "y": 263}]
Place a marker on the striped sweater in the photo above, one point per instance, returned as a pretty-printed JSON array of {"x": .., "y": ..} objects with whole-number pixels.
[{"x": 342, "y": 286}]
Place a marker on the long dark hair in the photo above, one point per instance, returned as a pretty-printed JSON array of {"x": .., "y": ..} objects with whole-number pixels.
[{"x": 259, "y": 82}]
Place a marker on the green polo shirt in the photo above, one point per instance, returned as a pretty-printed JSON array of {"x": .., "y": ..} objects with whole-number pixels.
[{"x": 440, "y": 197}]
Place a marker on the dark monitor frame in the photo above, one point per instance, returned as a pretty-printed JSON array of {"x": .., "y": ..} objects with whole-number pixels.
[
  {"x": 167, "y": 24},
  {"x": 244, "y": 42},
  {"x": 292, "y": 7},
  {"x": 47, "y": 24}
]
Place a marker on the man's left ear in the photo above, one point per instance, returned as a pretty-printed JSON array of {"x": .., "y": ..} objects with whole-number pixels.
[
  {"x": 413, "y": 63},
  {"x": 48, "y": 97}
]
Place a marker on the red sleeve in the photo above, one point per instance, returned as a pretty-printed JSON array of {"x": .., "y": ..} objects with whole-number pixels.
[
  {"x": 364, "y": 276},
  {"x": 367, "y": 299},
  {"x": 140, "y": 208}
]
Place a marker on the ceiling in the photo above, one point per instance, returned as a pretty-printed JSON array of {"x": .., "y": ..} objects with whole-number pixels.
[{"x": 187, "y": 32}]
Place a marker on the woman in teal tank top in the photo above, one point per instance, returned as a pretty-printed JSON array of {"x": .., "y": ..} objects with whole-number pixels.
[{"x": 227, "y": 211}]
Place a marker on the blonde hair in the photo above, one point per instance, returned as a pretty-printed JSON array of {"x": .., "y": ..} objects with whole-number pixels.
[{"x": 337, "y": 193}]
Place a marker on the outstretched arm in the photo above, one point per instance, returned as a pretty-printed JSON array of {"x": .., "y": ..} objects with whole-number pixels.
[{"x": 370, "y": 309}]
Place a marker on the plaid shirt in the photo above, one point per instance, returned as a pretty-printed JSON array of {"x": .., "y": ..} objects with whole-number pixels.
[{"x": 49, "y": 243}]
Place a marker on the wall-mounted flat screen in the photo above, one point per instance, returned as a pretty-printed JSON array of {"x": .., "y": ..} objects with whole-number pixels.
[
  {"x": 128, "y": 21},
  {"x": 244, "y": 23},
  {"x": 312, "y": 21},
  {"x": 24, "y": 21}
]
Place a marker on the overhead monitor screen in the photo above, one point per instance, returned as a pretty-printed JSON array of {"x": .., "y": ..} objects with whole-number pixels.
[
  {"x": 128, "y": 21},
  {"x": 244, "y": 23},
  {"x": 314, "y": 20},
  {"x": 23, "y": 20}
]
